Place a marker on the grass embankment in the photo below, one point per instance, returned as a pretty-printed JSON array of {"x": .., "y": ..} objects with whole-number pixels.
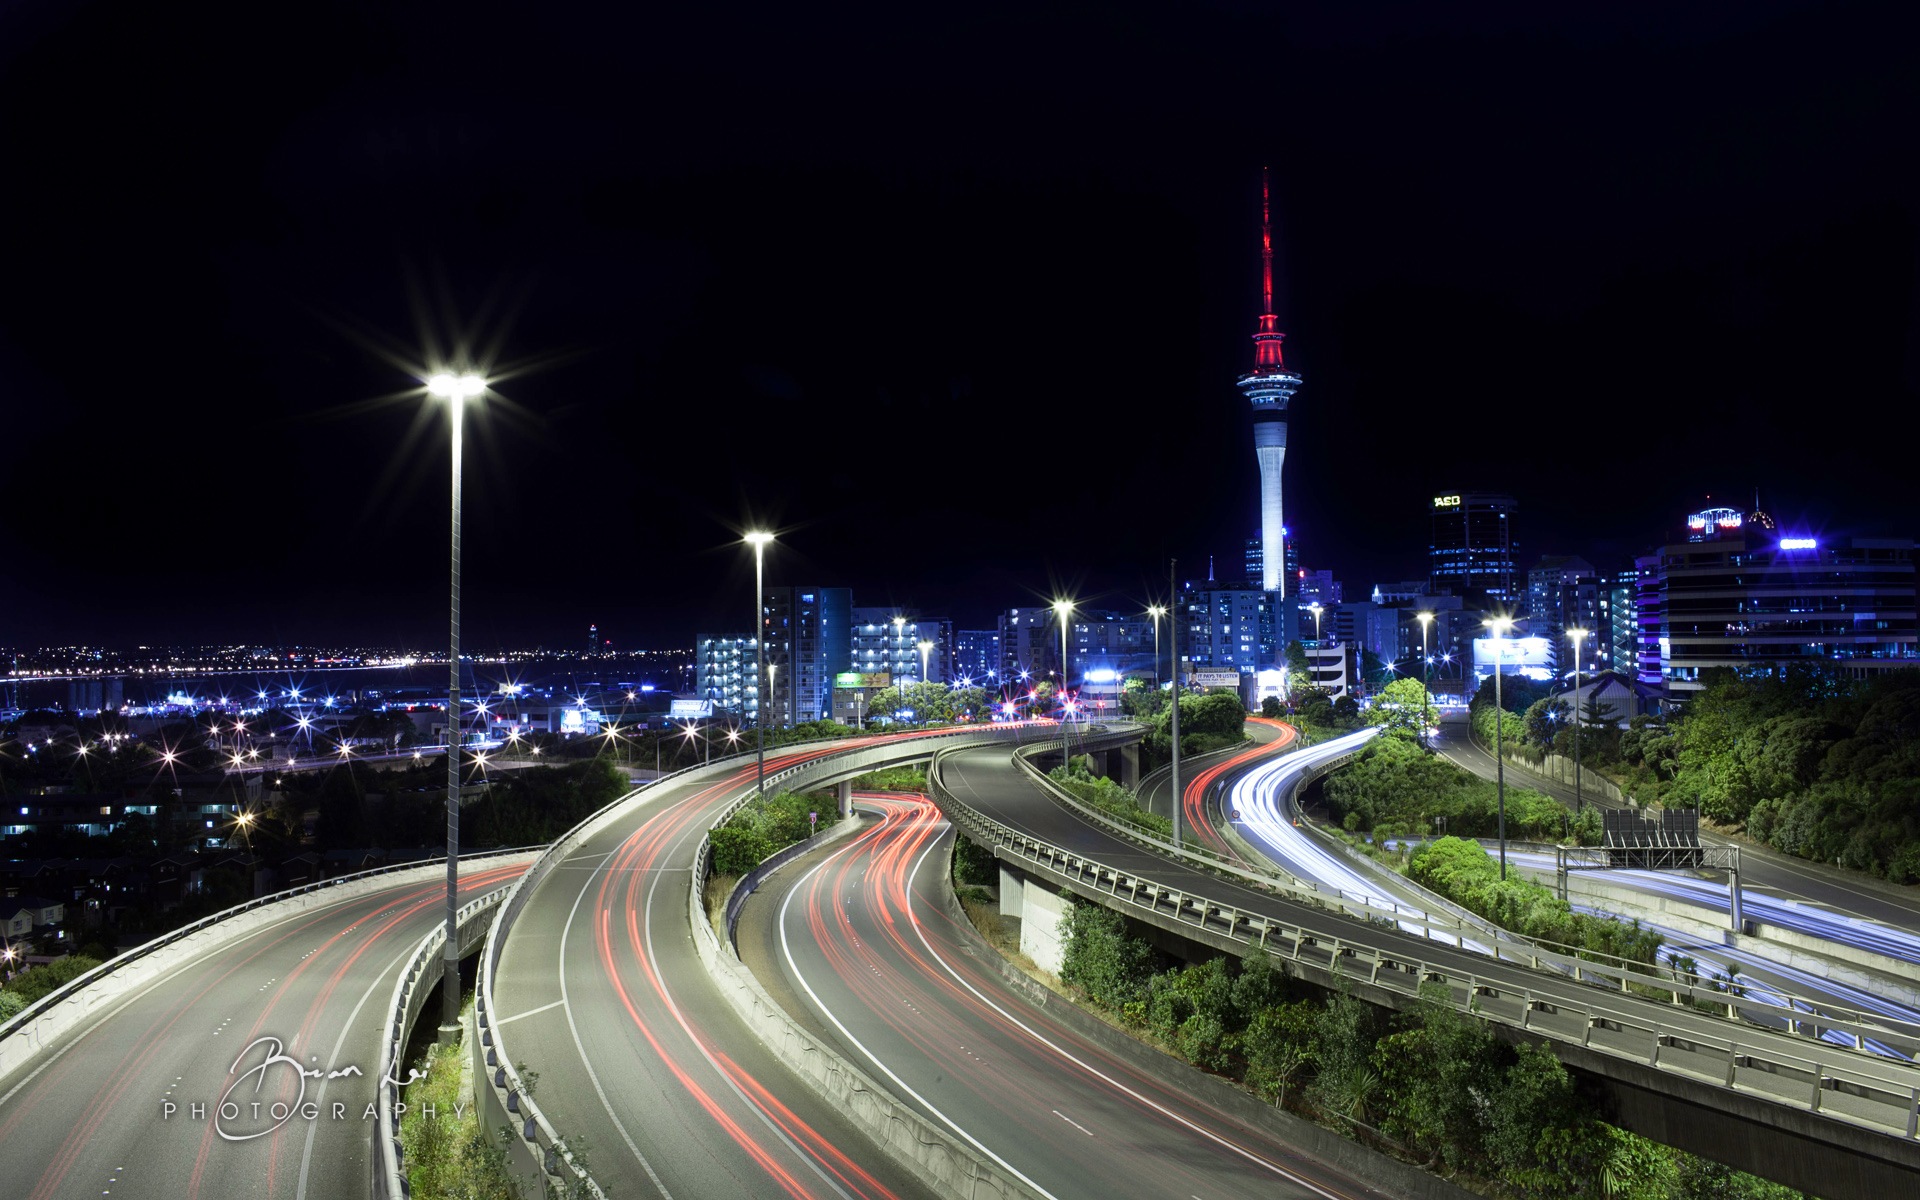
[
  {"x": 1105, "y": 796},
  {"x": 1432, "y": 1086},
  {"x": 892, "y": 779},
  {"x": 448, "y": 1155},
  {"x": 1394, "y": 788}
]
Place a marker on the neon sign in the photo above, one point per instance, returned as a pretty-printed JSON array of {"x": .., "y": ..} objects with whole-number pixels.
[{"x": 1446, "y": 502}]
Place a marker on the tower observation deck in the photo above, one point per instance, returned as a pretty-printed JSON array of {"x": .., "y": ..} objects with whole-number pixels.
[{"x": 1269, "y": 387}]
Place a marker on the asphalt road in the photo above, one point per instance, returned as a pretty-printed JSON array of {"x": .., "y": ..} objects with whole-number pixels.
[
  {"x": 91, "y": 1120},
  {"x": 600, "y": 990},
  {"x": 856, "y": 940},
  {"x": 1831, "y": 887}
]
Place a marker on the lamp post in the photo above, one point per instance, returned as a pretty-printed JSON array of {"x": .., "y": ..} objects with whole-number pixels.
[
  {"x": 900, "y": 677},
  {"x": 1156, "y": 611},
  {"x": 1500, "y": 625},
  {"x": 1578, "y": 636},
  {"x": 926, "y": 647},
  {"x": 456, "y": 390},
  {"x": 1316, "y": 610},
  {"x": 1063, "y": 609},
  {"x": 759, "y": 542},
  {"x": 1173, "y": 714},
  {"x": 1426, "y": 677}
]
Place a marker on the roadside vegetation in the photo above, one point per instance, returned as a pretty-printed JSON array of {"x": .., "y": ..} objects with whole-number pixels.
[
  {"x": 1105, "y": 796},
  {"x": 448, "y": 1155},
  {"x": 1396, "y": 788},
  {"x": 763, "y": 827},
  {"x": 37, "y": 982},
  {"x": 892, "y": 779},
  {"x": 1805, "y": 761},
  {"x": 1431, "y": 1086},
  {"x": 1463, "y": 872}
]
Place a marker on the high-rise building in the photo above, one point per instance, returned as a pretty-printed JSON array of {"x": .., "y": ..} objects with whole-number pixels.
[
  {"x": 1269, "y": 387},
  {"x": 1649, "y": 602},
  {"x": 1747, "y": 597},
  {"x": 725, "y": 675},
  {"x": 593, "y": 640},
  {"x": 1472, "y": 548},
  {"x": 1318, "y": 587},
  {"x": 1563, "y": 592},
  {"x": 885, "y": 639},
  {"x": 1257, "y": 559},
  {"x": 809, "y": 641},
  {"x": 1616, "y": 643},
  {"x": 1224, "y": 628},
  {"x": 976, "y": 654}
]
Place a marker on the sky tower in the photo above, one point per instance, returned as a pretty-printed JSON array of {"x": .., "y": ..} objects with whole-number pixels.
[{"x": 1269, "y": 387}]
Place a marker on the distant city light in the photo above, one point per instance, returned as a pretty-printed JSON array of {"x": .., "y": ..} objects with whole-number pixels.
[{"x": 1799, "y": 543}]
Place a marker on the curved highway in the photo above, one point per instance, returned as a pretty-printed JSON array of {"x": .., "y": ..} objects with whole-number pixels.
[
  {"x": 858, "y": 942},
  {"x": 600, "y": 989},
  {"x": 92, "y": 1118}
]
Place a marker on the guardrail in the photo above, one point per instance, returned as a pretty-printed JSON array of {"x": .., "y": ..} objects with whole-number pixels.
[
  {"x": 32, "y": 1030},
  {"x": 548, "y": 1147},
  {"x": 411, "y": 990},
  {"x": 1591, "y": 1006},
  {"x": 1476, "y": 936}
]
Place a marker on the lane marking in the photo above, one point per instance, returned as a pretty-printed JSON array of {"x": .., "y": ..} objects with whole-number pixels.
[
  {"x": 530, "y": 1012},
  {"x": 1069, "y": 1120}
]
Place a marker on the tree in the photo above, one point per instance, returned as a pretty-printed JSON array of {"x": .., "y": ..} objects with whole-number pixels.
[
  {"x": 1280, "y": 1043},
  {"x": 1100, "y": 959},
  {"x": 1400, "y": 708},
  {"x": 1376, "y": 672},
  {"x": 1272, "y": 709},
  {"x": 1299, "y": 673}
]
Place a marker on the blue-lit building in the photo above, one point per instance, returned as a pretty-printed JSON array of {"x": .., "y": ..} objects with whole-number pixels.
[
  {"x": 976, "y": 654},
  {"x": 1226, "y": 627},
  {"x": 886, "y": 639},
  {"x": 1471, "y": 552},
  {"x": 724, "y": 675},
  {"x": 809, "y": 641}
]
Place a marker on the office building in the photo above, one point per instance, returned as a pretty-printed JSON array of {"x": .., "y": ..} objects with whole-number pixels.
[
  {"x": 1563, "y": 592},
  {"x": 1471, "y": 551},
  {"x": 1648, "y": 610},
  {"x": 976, "y": 654},
  {"x": 1616, "y": 642},
  {"x": 1749, "y": 598},
  {"x": 1318, "y": 587},
  {"x": 808, "y": 633},
  {"x": 1029, "y": 643},
  {"x": 724, "y": 675},
  {"x": 1269, "y": 387}
]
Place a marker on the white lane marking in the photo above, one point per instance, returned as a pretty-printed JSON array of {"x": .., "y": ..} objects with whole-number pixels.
[
  {"x": 1069, "y": 1120},
  {"x": 787, "y": 949},
  {"x": 530, "y": 1012},
  {"x": 581, "y": 1048},
  {"x": 1162, "y": 1109}
]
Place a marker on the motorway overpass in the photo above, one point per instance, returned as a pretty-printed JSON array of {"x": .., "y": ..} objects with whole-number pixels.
[
  {"x": 1828, "y": 1120},
  {"x": 124, "y": 1100}
]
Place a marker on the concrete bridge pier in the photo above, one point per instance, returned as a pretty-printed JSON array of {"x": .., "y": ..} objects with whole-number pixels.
[
  {"x": 845, "y": 793},
  {"x": 1039, "y": 909}
]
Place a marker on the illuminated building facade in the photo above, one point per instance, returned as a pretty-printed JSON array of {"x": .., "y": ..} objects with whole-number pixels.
[
  {"x": 1750, "y": 598},
  {"x": 976, "y": 654},
  {"x": 881, "y": 644},
  {"x": 1269, "y": 387},
  {"x": 808, "y": 635},
  {"x": 1225, "y": 628},
  {"x": 724, "y": 674},
  {"x": 1472, "y": 547}
]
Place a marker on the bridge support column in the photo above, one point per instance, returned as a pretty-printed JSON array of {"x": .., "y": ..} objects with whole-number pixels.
[
  {"x": 1129, "y": 765},
  {"x": 1097, "y": 762},
  {"x": 845, "y": 793},
  {"x": 1012, "y": 893}
]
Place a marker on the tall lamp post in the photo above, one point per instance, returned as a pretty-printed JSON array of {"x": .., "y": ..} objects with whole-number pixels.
[
  {"x": 1173, "y": 713},
  {"x": 1578, "y": 636},
  {"x": 1156, "y": 611},
  {"x": 1500, "y": 625},
  {"x": 1426, "y": 677},
  {"x": 456, "y": 390},
  {"x": 893, "y": 651},
  {"x": 1316, "y": 610},
  {"x": 758, "y": 541},
  {"x": 925, "y": 648},
  {"x": 1063, "y": 609}
]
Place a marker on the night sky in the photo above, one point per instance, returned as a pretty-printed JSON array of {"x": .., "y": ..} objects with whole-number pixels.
[{"x": 952, "y": 296}]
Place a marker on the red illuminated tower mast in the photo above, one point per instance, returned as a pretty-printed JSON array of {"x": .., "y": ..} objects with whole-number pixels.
[{"x": 1269, "y": 387}]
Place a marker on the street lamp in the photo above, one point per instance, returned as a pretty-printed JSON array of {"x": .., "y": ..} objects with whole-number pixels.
[
  {"x": 1063, "y": 609},
  {"x": 1316, "y": 610},
  {"x": 759, "y": 542},
  {"x": 1156, "y": 611},
  {"x": 899, "y": 677},
  {"x": 456, "y": 390},
  {"x": 1500, "y": 625},
  {"x": 1426, "y": 677},
  {"x": 926, "y": 648},
  {"x": 1578, "y": 636}
]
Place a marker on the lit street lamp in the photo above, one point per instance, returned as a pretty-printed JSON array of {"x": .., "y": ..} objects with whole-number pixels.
[
  {"x": 1500, "y": 625},
  {"x": 1578, "y": 636},
  {"x": 1316, "y": 610},
  {"x": 758, "y": 541},
  {"x": 1426, "y": 677},
  {"x": 925, "y": 649},
  {"x": 456, "y": 390},
  {"x": 1156, "y": 611},
  {"x": 1063, "y": 609}
]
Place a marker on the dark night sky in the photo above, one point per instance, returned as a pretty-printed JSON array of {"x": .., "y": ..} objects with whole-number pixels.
[{"x": 928, "y": 289}]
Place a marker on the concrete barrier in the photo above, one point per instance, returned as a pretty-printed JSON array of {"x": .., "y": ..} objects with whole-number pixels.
[{"x": 41, "y": 1027}]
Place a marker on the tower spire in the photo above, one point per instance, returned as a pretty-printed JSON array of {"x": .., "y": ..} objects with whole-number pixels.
[
  {"x": 1266, "y": 341},
  {"x": 1269, "y": 387}
]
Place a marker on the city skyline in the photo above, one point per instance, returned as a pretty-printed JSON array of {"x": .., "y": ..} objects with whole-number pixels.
[{"x": 717, "y": 337}]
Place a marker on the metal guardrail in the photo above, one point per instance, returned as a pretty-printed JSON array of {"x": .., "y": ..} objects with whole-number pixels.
[
  {"x": 1574, "y": 962},
  {"x": 536, "y": 1130},
  {"x": 1603, "y": 1016},
  {"x": 40, "y": 1007},
  {"x": 403, "y": 1009}
]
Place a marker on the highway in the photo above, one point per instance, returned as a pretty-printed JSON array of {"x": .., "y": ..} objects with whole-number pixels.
[
  {"x": 91, "y": 1119},
  {"x": 856, "y": 941},
  {"x": 600, "y": 989},
  {"x": 1762, "y": 868}
]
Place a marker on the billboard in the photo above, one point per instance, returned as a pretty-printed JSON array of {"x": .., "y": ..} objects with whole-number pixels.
[
  {"x": 1213, "y": 679},
  {"x": 689, "y": 710},
  {"x": 863, "y": 679}
]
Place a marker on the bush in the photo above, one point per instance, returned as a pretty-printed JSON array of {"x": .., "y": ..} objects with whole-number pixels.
[
  {"x": 1101, "y": 960},
  {"x": 973, "y": 863},
  {"x": 1107, "y": 797},
  {"x": 1463, "y": 872},
  {"x": 32, "y": 985},
  {"x": 1394, "y": 782},
  {"x": 737, "y": 850}
]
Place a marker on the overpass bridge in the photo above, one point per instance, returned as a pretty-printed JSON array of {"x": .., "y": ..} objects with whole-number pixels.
[{"x": 1679, "y": 1065}]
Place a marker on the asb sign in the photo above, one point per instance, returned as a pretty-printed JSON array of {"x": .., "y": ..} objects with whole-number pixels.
[
  {"x": 863, "y": 679},
  {"x": 690, "y": 710},
  {"x": 1446, "y": 502},
  {"x": 1213, "y": 679}
]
